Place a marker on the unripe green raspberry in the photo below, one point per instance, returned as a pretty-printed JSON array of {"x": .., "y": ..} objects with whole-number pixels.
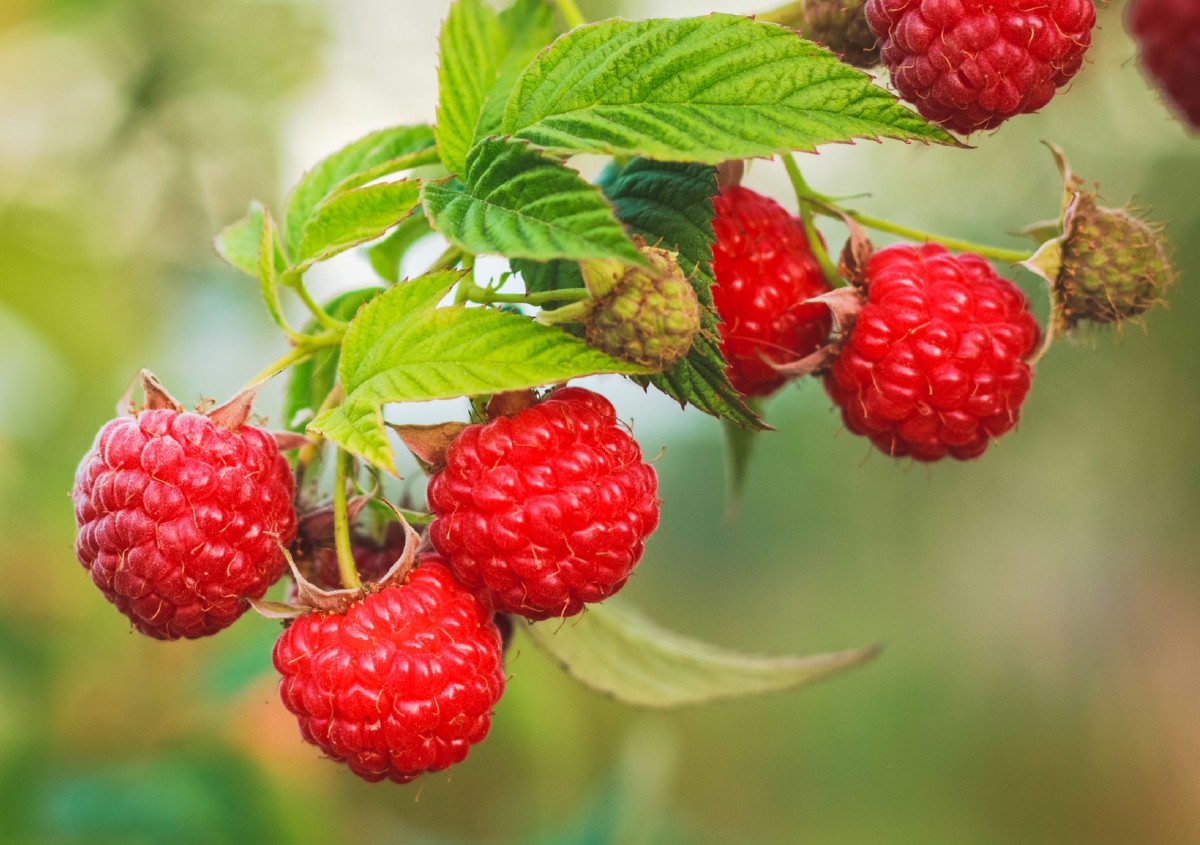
[
  {"x": 1104, "y": 265},
  {"x": 649, "y": 316},
  {"x": 1113, "y": 265}
]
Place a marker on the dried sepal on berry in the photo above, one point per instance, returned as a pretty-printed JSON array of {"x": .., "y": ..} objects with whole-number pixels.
[
  {"x": 1104, "y": 265},
  {"x": 308, "y": 597}
]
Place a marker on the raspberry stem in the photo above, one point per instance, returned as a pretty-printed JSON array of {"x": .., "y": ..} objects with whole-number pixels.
[
  {"x": 348, "y": 572},
  {"x": 293, "y": 279},
  {"x": 487, "y": 296},
  {"x": 306, "y": 346},
  {"x": 811, "y": 201},
  {"x": 570, "y": 13},
  {"x": 815, "y": 244},
  {"x": 1008, "y": 256}
]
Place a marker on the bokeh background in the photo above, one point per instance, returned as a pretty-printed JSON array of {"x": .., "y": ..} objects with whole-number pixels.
[{"x": 1040, "y": 607}]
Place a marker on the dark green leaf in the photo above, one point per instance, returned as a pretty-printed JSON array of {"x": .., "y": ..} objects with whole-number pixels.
[
  {"x": 700, "y": 89},
  {"x": 617, "y": 650},
  {"x": 362, "y": 161},
  {"x": 521, "y": 203},
  {"x": 670, "y": 204}
]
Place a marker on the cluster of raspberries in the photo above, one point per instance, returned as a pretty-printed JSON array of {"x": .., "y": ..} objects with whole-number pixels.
[
  {"x": 936, "y": 363},
  {"x": 183, "y": 517}
]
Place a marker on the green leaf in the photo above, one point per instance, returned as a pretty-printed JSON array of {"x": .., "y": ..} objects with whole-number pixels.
[
  {"x": 403, "y": 348},
  {"x": 385, "y": 256},
  {"x": 238, "y": 242},
  {"x": 617, "y": 650},
  {"x": 702, "y": 89},
  {"x": 521, "y": 203},
  {"x": 310, "y": 381},
  {"x": 470, "y": 44},
  {"x": 528, "y": 27},
  {"x": 353, "y": 217},
  {"x": 268, "y": 272},
  {"x": 368, "y": 158},
  {"x": 481, "y": 56}
]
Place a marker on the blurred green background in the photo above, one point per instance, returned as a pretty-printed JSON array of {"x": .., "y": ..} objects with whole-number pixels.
[{"x": 1040, "y": 607}]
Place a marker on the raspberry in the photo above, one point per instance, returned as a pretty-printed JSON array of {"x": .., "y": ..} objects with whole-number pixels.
[
  {"x": 546, "y": 510},
  {"x": 764, "y": 271},
  {"x": 970, "y": 65},
  {"x": 934, "y": 365},
  {"x": 181, "y": 519},
  {"x": 1168, "y": 36},
  {"x": 1114, "y": 265},
  {"x": 649, "y": 317},
  {"x": 401, "y": 683}
]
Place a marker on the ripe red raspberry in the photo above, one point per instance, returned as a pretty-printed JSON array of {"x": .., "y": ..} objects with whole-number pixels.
[
  {"x": 764, "y": 271},
  {"x": 1168, "y": 36},
  {"x": 401, "y": 683},
  {"x": 970, "y": 65},
  {"x": 180, "y": 519},
  {"x": 934, "y": 365},
  {"x": 546, "y": 510}
]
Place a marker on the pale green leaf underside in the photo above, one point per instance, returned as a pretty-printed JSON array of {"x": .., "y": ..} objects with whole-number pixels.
[
  {"x": 702, "y": 89},
  {"x": 238, "y": 242},
  {"x": 615, "y": 649},
  {"x": 354, "y": 217},
  {"x": 520, "y": 203},
  {"x": 268, "y": 274},
  {"x": 402, "y": 348},
  {"x": 367, "y": 158},
  {"x": 470, "y": 43}
]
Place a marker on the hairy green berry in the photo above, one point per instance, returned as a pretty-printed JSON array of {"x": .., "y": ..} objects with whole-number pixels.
[
  {"x": 649, "y": 316},
  {"x": 1114, "y": 265}
]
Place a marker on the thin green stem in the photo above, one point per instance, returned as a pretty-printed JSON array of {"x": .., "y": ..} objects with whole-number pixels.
[
  {"x": 1009, "y": 256},
  {"x": 305, "y": 347},
  {"x": 447, "y": 259},
  {"x": 322, "y": 317},
  {"x": 789, "y": 14},
  {"x": 462, "y": 294},
  {"x": 341, "y": 523},
  {"x": 484, "y": 296},
  {"x": 570, "y": 13},
  {"x": 803, "y": 194}
]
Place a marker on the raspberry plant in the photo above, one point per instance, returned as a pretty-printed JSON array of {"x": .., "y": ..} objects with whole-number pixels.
[{"x": 665, "y": 270}]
